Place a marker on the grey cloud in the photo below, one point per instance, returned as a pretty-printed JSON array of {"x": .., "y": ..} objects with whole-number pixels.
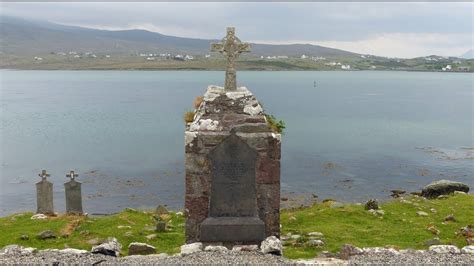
[{"x": 262, "y": 21}]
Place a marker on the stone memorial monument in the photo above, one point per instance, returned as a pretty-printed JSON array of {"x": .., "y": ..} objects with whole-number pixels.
[
  {"x": 73, "y": 194},
  {"x": 232, "y": 163},
  {"x": 44, "y": 195}
]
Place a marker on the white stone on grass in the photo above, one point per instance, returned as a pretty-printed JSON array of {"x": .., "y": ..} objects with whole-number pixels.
[
  {"x": 215, "y": 248},
  {"x": 315, "y": 242},
  {"x": 421, "y": 213},
  {"x": 111, "y": 247},
  {"x": 191, "y": 248},
  {"x": 443, "y": 249},
  {"x": 39, "y": 216},
  {"x": 316, "y": 234},
  {"x": 468, "y": 249},
  {"x": 271, "y": 245}
]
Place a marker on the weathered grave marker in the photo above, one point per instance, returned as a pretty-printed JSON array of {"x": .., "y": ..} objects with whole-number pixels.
[
  {"x": 44, "y": 195},
  {"x": 73, "y": 194},
  {"x": 232, "y": 163}
]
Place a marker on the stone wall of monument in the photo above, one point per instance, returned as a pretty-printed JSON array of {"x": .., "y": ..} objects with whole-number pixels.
[{"x": 219, "y": 113}]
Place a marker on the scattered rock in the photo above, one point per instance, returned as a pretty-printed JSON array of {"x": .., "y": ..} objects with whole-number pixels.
[
  {"x": 433, "y": 229},
  {"x": 110, "y": 248},
  {"x": 136, "y": 248},
  {"x": 295, "y": 237},
  {"x": 215, "y": 248},
  {"x": 73, "y": 251},
  {"x": 450, "y": 218},
  {"x": 460, "y": 192},
  {"x": 39, "y": 216},
  {"x": 421, "y": 213},
  {"x": 377, "y": 212},
  {"x": 292, "y": 218},
  {"x": 179, "y": 213},
  {"x": 396, "y": 193},
  {"x": 315, "y": 243},
  {"x": 245, "y": 248},
  {"x": 46, "y": 235},
  {"x": 160, "y": 210},
  {"x": 128, "y": 234},
  {"x": 468, "y": 233},
  {"x": 444, "y": 249},
  {"x": 433, "y": 242},
  {"x": 433, "y": 210},
  {"x": 15, "y": 250},
  {"x": 271, "y": 245},
  {"x": 150, "y": 237},
  {"x": 316, "y": 234},
  {"x": 348, "y": 250},
  {"x": 443, "y": 187},
  {"x": 191, "y": 248},
  {"x": 468, "y": 249},
  {"x": 372, "y": 204},
  {"x": 24, "y": 237},
  {"x": 283, "y": 199},
  {"x": 124, "y": 227}
]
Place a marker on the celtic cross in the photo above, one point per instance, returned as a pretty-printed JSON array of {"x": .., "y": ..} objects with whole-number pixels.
[
  {"x": 43, "y": 174},
  {"x": 72, "y": 175},
  {"x": 231, "y": 47}
]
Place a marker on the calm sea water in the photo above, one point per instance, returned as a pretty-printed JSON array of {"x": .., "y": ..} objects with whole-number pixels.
[{"x": 354, "y": 136}]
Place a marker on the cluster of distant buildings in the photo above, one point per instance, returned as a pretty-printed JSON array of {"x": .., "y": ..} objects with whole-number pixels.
[
  {"x": 459, "y": 68},
  {"x": 75, "y": 54},
  {"x": 179, "y": 57}
]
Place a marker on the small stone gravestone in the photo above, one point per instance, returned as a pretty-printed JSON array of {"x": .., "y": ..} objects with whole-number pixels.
[
  {"x": 44, "y": 195},
  {"x": 73, "y": 194}
]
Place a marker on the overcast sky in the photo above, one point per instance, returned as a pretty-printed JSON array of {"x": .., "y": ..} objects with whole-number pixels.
[{"x": 386, "y": 29}]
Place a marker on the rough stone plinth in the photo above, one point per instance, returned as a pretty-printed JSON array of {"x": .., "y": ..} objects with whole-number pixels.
[{"x": 232, "y": 121}]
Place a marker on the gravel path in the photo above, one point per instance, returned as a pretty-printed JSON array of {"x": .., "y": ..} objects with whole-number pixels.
[
  {"x": 54, "y": 257},
  {"x": 413, "y": 257}
]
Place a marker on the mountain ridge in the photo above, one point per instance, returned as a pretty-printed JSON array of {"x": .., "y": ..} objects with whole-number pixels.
[{"x": 20, "y": 36}]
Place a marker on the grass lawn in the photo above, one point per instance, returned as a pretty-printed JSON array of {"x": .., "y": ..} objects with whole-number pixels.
[{"x": 399, "y": 227}]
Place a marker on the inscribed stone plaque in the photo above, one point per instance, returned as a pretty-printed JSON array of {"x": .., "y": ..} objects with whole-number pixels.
[
  {"x": 44, "y": 197},
  {"x": 233, "y": 192},
  {"x": 73, "y": 197}
]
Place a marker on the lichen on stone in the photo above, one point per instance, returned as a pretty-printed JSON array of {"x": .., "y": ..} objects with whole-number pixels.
[
  {"x": 239, "y": 93},
  {"x": 253, "y": 110},
  {"x": 189, "y": 137},
  {"x": 204, "y": 124},
  {"x": 212, "y": 93}
]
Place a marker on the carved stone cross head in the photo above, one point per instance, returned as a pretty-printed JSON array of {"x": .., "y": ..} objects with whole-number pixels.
[
  {"x": 43, "y": 174},
  {"x": 231, "y": 47},
  {"x": 72, "y": 175}
]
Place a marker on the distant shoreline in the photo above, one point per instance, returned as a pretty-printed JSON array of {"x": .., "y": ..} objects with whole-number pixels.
[{"x": 240, "y": 70}]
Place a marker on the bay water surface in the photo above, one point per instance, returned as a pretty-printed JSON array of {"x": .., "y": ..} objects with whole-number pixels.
[{"x": 354, "y": 136}]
